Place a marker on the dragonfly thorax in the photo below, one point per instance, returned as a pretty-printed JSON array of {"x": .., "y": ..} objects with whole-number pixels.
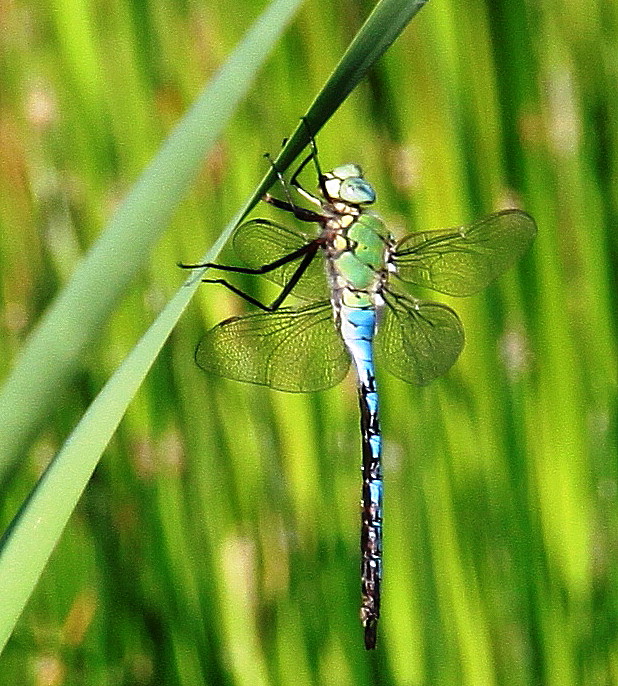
[{"x": 356, "y": 253}]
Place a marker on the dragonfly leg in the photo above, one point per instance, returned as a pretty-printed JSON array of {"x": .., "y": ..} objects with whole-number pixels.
[
  {"x": 242, "y": 294},
  {"x": 310, "y": 247},
  {"x": 300, "y": 213},
  {"x": 237, "y": 291},
  {"x": 289, "y": 205},
  {"x": 313, "y": 155},
  {"x": 309, "y": 251},
  {"x": 296, "y": 183},
  {"x": 284, "y": 185}
]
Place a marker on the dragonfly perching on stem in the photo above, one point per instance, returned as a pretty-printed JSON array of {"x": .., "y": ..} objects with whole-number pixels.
[{"x": 353, "y": 309}]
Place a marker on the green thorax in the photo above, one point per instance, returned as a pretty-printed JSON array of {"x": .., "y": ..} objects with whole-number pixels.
[{"x": 361, "y": 264}]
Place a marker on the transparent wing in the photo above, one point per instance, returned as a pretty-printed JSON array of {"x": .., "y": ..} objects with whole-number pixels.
[
  {"x": 295, "y": 350},
  {"x": 464, "y": 260},
  {"x": 260, "y": 241},
  {"x": 417, "y": 341}
]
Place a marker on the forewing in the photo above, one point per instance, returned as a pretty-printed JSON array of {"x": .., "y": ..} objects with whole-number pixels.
[
  {"x": 464, "y": 260},
  {"x": 418, "y": 341},
  {"x": 260, "y": 241},
  {"x": 295, "y": 350}
]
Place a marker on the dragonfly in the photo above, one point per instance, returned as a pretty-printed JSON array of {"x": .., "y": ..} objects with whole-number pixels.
[{"x": 347, "y": 270}]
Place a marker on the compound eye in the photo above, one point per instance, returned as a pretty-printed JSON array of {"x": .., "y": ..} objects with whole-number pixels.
[
  {"x": 357, "y": 191},
  {"x": 347, "y": 171}
]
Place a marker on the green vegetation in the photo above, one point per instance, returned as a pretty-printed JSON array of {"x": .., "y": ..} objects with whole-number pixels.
[{"x": 217, "y": 542}]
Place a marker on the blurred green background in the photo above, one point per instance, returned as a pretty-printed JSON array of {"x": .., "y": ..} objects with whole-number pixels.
[{"x": 217, "y": 542}]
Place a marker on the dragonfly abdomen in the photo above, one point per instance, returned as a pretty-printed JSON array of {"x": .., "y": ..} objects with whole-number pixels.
[{"x": 357, "y": 329}]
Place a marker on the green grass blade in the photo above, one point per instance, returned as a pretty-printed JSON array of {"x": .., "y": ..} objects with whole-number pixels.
[
  {"x": 27, "y": 545},
  {"x": 74, "y": 320},
  {"x": 388, "y": 19}
]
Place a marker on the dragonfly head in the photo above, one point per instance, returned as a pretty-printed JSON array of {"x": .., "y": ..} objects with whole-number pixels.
[{"x": 346, "y": 183}]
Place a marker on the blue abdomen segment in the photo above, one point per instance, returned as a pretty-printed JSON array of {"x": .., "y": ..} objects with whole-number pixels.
[{"x": 357, "y": 330}]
